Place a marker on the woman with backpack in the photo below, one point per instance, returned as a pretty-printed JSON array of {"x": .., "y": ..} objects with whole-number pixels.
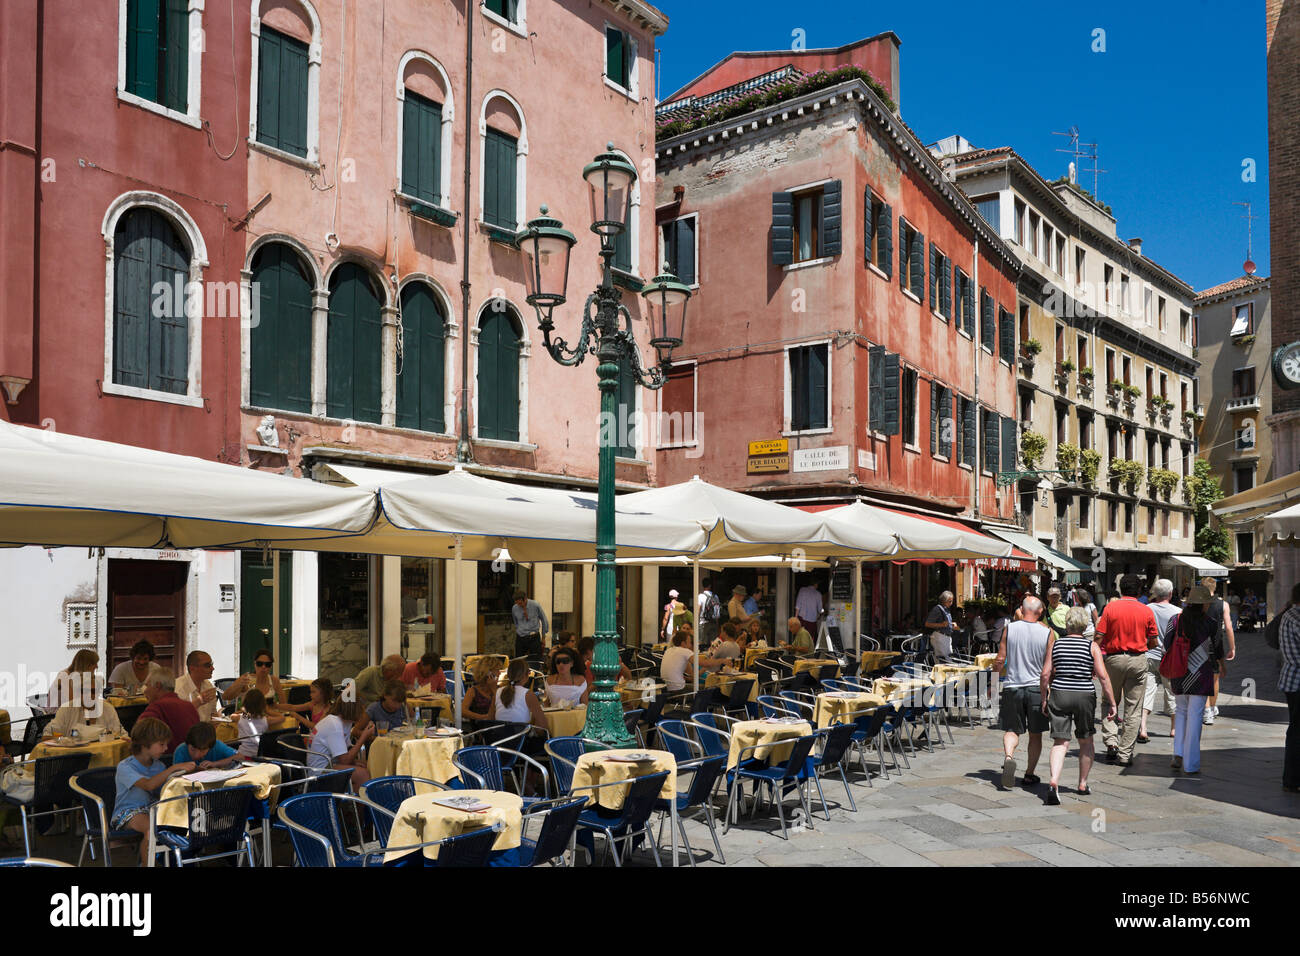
[{"x": 1191, "y": 661}]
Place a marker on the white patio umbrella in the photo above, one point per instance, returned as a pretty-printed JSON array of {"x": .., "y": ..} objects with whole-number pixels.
[
  {"x": 1284, "y": 524},
  {"x": 917, "y": 537}
]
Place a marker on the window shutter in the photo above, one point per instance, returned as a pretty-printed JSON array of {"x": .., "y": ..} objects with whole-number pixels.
[
  {"x": 421, "y": 142},
  {"x": 175, "y": 55},
  {"x": 615, "y": 56},
  {"x": 1008, "y": 444},
  {"x": 868, "y": 225},
  {"x": 890, "y": 386},
  {"x": 970, "y": 305},
  {"x": 1007, "y": 335},
  {"x": 934, "y": 279},
  {"x": 818, "y": 376},
  {"x": 934, "y": 410},
  {"x": 268, "y": 88},
  {"x": 945, "y": 287},
  {"x": 420, "y": 378},
  {"x": 955, "y": 289},
  {"x": 885, "y": 227},
  {"x": 498, "y": 378},
  {"x": 685, "y": 250},
  {"x": 131, "y": 300},
  {"x": 623, "y": 251},
  {"x": 282, "y": 92},
  {"x": 968, "y": 432},
  {"x": 904, "y": 273},
  {"x": 150, "y": 351},
  {"x": 917, "y": 262},
  {"x": 499, "y": 158},
  {"x": 280, "y": 342},
  {"x": 990, "y": 442},
  {"x": 353, "y": 346},
  {"x": 875, "y": 388},
  {"x": 142, "y": 47},
  {"x": 832, "y": 214},
  {"x": 946, "y": 424},
  {"x": 987, "y": 329},
  {"x": 782, "y": 228}
]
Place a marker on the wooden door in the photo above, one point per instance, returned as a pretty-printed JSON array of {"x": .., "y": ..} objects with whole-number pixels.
[{"x": 146, "y": 601}]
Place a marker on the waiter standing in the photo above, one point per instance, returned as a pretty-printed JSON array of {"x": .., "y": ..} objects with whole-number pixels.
[{"x": 530, "y": 626}]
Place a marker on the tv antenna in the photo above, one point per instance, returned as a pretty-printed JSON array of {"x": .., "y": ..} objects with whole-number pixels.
[
  {"x": 1080, "y": 150},
  {"x": 1249, "y": 266}
]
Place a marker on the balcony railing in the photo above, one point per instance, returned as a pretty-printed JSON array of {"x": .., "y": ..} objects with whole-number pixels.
[{"x": 1246, "y": 403}]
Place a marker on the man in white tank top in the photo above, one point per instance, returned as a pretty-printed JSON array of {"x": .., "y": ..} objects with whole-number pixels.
[{"x": 1023, "y": 649}]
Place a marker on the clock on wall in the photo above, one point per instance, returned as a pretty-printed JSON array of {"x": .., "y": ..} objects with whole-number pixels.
[{"x": 1286, "y": 366}]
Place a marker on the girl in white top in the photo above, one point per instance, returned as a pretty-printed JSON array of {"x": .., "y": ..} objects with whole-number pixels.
[
  {"x": 332, "y": 740},
  {"x": 252, "y": 723},
  {"x": 516, "y": 704},
  {"x": 563, "y": 683}
]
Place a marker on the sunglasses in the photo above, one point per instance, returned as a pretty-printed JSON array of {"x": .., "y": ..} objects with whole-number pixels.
[
  {"x": 564, "y": 660},
  {"x": 260, "y": 663}
]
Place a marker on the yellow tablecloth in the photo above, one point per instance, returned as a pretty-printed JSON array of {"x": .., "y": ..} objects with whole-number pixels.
[
  {"x": 447, "y": 707},
  {"x": 815, "y": 665},
  {"x": 228, "y": 730},
  {"x": 757, "y": 653},
  {"x": 135, "y": 701},
  {"x": 893, "y": 687},
  {"x": 566, "y": 723},
  {"x": 829, "y": 707},
  {"x": 419, "y": 819},
  {"x": 104, "y": 753},
  {"x": 262, "y": 777},
  {"x": 945, "y": 672},
  {"x": 874, "y": 660},
  {"x": 429, "y": 757},
  {"x": 641, "y": 696},
  {"x": 723, "y": 683},
  {"x": 751, "y": 733},
  {"x": 596, "y": 767}
]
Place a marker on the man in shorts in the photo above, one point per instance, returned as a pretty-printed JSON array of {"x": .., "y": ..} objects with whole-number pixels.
[{"x": 1023, "y": 649}]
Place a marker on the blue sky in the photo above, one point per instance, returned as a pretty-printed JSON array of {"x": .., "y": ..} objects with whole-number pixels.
[{"x": 1176, "y": 102}]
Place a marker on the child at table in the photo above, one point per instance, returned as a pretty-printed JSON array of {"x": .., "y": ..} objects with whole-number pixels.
[
  {"x": 387, "y": 713},
  {"x": 332, "y": 745},
  {"x": 322, "y": 695},
  {"x": 252, "y": 723},
  {"x": 204, "y": 750},
  {"x": 140, "y": 777}
]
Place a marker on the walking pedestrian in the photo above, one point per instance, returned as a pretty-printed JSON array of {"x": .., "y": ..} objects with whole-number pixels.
[
  {"x": 808, "y": 606},
  {"x": 1158, "y": 688},
  {"x": 1288, "y": 682},
  {"x": 1223, "y": 619},
  {"x": 708, "y": 611},
  {"x": 1200, "y": 627},
  {"x": 1069, "y": 697},
  {"x": 1126, "y": 630},
  {"x": 1023, "y": 649},
  {"x": 939, "y": 623},
  {"x": 675, "y": 613}
]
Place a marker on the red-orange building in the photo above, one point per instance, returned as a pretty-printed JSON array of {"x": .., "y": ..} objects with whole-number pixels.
[{"x": 853, "y": 330}]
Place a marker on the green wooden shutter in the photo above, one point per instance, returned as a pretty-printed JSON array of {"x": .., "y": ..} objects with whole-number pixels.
[
  {"x": 623, "y": 248},
  {"x": 142, "y": 44},
  {"x": 150, "y": 350},
  {"x": 990, "y": 423},
  {"x": 282, "y": 65},
  {"x": 890, "y": 398},
  {"x": 904, "y": 272},
  {"x": 132, "y": 297},
  {"x": 616, "y": 56},
  {"x": 175, "y": 55},
  {"x": 1007, "y": 335},
  {"x": 946, "y": 423},
  {"x": 420, "y": 379},
  {"x": 499, "y": 159},
  {"x": 1008, "y": 443},
  {"x": 876, "y": 388},
  {"x": 354, "y": 346},
  {"x": 969, "y": 285},
  {"x": 498, "y": 377},
  {"x": 782, "y": 228},
  {"x": 935, "y": 283},
  {"x": 988, "y": 331},
  {"x": 934, "y": 412},
  {"x": 832, "y": 216},
  {"x": 968, "y": 432},
  {"x": 868, "y": 226},
  {"x": 268, "y": 88},
  {"x": 885, "y": 226},
  {"x": 917, "y": 263},
  {"x": 945, "y": 287},
  {"x": 421, "y": 145},
  {"x": 280, "y": 342},
  {"x": 818, "y": 378},
  {"x": 684, "y": 250}
]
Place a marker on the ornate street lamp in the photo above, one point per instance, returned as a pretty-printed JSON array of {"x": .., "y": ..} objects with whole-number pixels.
[{"x": 607, "y": 334}]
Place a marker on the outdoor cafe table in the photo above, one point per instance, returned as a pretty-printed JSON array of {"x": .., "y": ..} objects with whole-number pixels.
[
  {"x": 891, "y": 686},
  {"x": 597, "y": 767},
  {"x": 759, "y": 733},
  {"x": 636, "y": 694},
  {"x": 262, "y": 777},
  {"x": 839, "y": 704},
  {"x": 757, "y": 653},
  {"x": 228, "y": 730},
  {"x": 428, "y": 701},
  {"x": 419, "y": 820},
  {"x": 103, "y": 753},
  {"x": 402, "y": 753},
  {"x": 815, "y": 665},
  {"x": 874, "y": 660},
  {"x": 945, "y": 672},
  {"x": 566, "y": 721},
  {"x": 985, "y": 661},
  {"x": 134, "y": 700},
  {"x": 723, "y": 683}
]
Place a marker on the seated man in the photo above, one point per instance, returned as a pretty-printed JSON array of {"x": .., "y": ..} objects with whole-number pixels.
[
  {"x": 728, "y": 650},
  {"x": 179, "y": 715},
  {"x": 370, "y": 682},
  {"x": 426, "y": 672},
  {"x": 801, "y": 642},
  {"x": 196, "y": 686},
  {"x": 676, "y": 668}
]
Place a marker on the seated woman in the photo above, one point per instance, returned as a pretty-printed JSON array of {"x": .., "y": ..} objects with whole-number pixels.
[
  {"x": 481, "y": 703},
  {"x": 76, "y": 684},
  {"x": 387, "y": 713},
  {"x": 516, "y": 704},
  {"x": 129, "y": 677},
  {"x": 333, "y": 743},
  {"x": 86, "y": 717},
  {"x": 204, "y": 750},
  {"x": 252, "y": 723},
  {"x": 322, "y": 695},
  {"x": 587, "y": 651},
  {"x": 141, "y": 776},
  {"x": 562, "y": 683},
  {"x": 265, "y": 681}
]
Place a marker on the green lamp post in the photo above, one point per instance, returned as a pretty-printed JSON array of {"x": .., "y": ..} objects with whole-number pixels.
[{"x": 606, "y": 333}]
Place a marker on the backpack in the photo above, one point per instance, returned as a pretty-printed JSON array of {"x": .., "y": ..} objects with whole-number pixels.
[
  {"x": 1174, "y": 663},
  {"x": 712, "y": 608},
  {"x": 1273, "y": 631}
]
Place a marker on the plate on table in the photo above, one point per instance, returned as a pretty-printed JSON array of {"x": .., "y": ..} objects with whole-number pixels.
[
  {"x": 69, "y": 742},
  {"x": 782, "y": 720},
  {"x": 631, "y": 758},
  {"x": 844, "y": 695},
  {"x": 468, "y": 804},
  {"x": 442, "y": 732}
]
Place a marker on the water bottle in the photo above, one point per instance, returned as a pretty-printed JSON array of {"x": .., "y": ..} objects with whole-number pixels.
[{"x": 419, "y": 724}]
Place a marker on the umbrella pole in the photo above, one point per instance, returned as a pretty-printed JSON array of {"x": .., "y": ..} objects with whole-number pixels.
[
  {"x": 695, "y": 593},
  {"x": 456, "y": 690},
  {"x": 857, "y": 607}
]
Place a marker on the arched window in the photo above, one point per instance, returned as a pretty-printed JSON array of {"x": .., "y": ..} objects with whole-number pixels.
[
  {"x": 280, "y": 337},
  {"x": 503, "y": 140},
  {"x": 421, "y": 371},
  {"x": 425, "y": 133},
  {"x": 498, "y": 375},
  {"x": 151, "y": 334},
  {"x": 285, "y": 113},
  {"x": 354, "y": 345}
]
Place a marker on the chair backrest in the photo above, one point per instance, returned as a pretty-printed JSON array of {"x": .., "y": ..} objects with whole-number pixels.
[
  {"x": 268, "y": 745},
  {"x": 702, "y": 780},
  {"x": 740, "y": 692},
  {"x": 774, "y": 706},
  {"x": 222, "y": 684},
  {"x": 803, "y": 746},
  {"x": 640, "y": 800},
  {"x": 654, "y": 711},
  {"x": 32, "y": 732},
  {"x": 52, "y": 776},
  {"x": 557, "y": 828},
  {"x": 298, "y": 694},
  {"x": 801, "y": 681},
  {"x": 218, "y": 816},
  {"x": 101, "y": 784},
  {"x": 632, "y": 719},
  {"x": 850, "y": 668},
  {"x": 316, "y": 813},
  {"x": 795, "y": 703},
  {"x": 675, "y": 739},
  {"x": 838, "y": 738},
  {"x": 332, "y": 781},
  {"x": 483, "y": 763},
  {"x": 31, "y": 861},
  {"x": 711, "y": 735},
  {"x": 567, "y": 750},
  {"x": 827, "y": 671},
  {"x": 468, "y": 849},
  {"x": 704, "y": 699},
  {"x": 835, "y": 685},
  {"x": 386, "y": 792}
]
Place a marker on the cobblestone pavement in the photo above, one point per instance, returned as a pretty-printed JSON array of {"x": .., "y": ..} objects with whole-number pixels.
[{"x": 949, "y": 810}]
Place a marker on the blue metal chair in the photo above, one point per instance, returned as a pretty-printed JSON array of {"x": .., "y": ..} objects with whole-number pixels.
[
  {"x": 632, "y": 722},
  {"x": 31, "y": 861},
  {"x": 837, "y": 741},
  {"x": 98, "y": 791},
  {"x": 488, "y": 768},
  {"x": 564, "y": 753},
  {"x": 777, "y": 707},
  {"x": 632, "y": 819},
  {"x": 778, "y": 779},
  {"x": 559, "y": 824},
  {"x": 738, "y": 698},
  {"x": 804, "y": 705},
  {"x": 217, "y": 818},
  {"x": 387, "y": 793},
  {"x": 705, "y": 773},
  {"x": 51, "y": 796},
  {"x": 673, "y": 737}
]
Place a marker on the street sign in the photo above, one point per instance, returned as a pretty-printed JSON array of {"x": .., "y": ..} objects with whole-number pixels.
[
  {"x": 765, "y": 464},
  {"x": 773, "y": 446}
]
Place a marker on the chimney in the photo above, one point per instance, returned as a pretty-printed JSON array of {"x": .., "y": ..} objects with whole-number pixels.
[{"x": 1136, "y": 245}]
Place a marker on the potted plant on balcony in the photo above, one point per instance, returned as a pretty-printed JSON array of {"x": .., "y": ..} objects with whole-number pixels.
[
  {"x": 1113, "y": 391},
  {"x": 1067, "y": 458},
  {"x": 1063, "y": 370},
  {"x": 1126, "y": 472},
  {"x": 1164, "y": 406},
  {"x": 1085, "y": 382},
  {"x": 1131, "y": 393},
  {"x": 1032, "y": 448},
  {"x": 1089, "y": 465},
  {"x": 1161, "y": 482},
  {"x": 1244, "y": 341},
  {"x": 1029, "y": 350}
]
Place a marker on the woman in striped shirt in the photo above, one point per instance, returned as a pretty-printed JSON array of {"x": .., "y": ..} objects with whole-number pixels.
[{"x": 1069, "y": 698}]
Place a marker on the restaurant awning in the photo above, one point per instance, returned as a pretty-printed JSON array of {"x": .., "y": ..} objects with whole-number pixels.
[
  {"x": 1203, "y": 567},
  {"x": 919, "y": 536},
  {"x": 1054, "y": 559},
  {"x": 1269, "y": 496}
]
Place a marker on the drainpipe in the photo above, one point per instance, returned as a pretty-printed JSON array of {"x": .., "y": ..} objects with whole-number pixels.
[
  {"x": 464, "y": 449},
  {"x": 975, "y": 351}
]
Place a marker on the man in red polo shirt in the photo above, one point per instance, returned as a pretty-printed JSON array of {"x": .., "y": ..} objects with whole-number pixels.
[
  {"x": 180, "y": 715},
  {"x": 1125, "y": 631}
]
